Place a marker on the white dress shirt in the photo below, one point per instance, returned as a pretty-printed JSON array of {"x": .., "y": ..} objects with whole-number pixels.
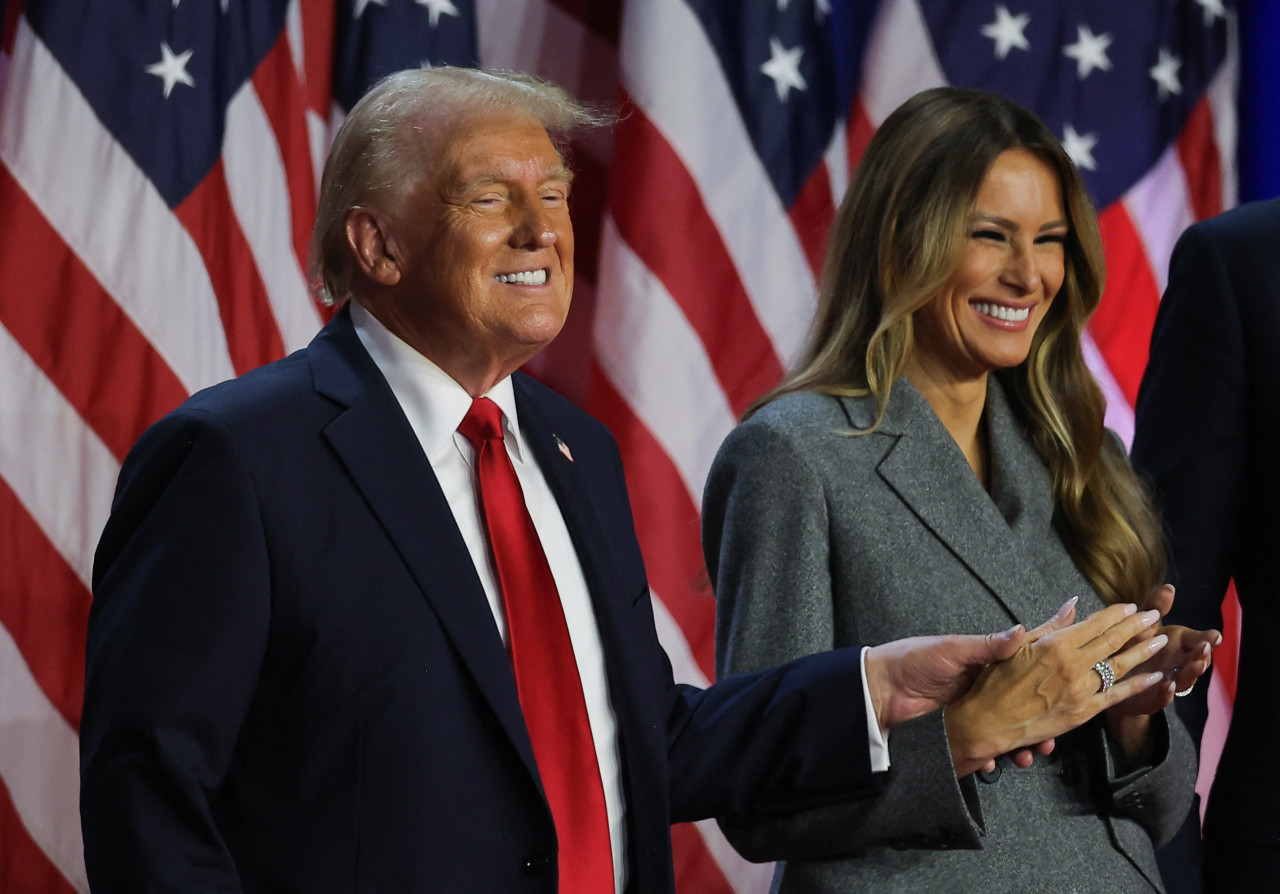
[{"x": 435, "y": 405}]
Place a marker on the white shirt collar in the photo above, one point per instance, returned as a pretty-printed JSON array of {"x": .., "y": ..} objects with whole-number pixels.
[{"x": 433, "y": 400}]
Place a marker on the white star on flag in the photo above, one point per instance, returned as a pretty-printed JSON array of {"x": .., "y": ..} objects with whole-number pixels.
[
  {"x": 437, "y": 8},
  {"x": 1213, "y": 9},
  {"x": 172, "y": 68},
  {"x": 1080, "y": 148},
  {"x": 1089, "y": 51},
  {"x": 1008, "y": 31},
  {"x": 1165, "y": 74},
  {"x": 361, "y": 5},
  {"x": 784, "y": 67}
]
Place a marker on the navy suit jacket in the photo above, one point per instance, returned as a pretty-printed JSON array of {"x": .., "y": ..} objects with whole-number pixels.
[
  {"x": 295, "y": 683},
  {"x": 1208, "y": 428}
]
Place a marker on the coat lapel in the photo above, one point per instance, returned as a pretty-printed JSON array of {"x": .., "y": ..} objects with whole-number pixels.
[
  {"x": 1022, "y": 491},
  {"x": 375, "y": 443},
  {"x": 928, "y": 472}
]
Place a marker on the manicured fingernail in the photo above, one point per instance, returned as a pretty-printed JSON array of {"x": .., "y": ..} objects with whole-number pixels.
[
  {"x": 1149, "y": 618},
  {"x": 1012, "y": 631},
  {"x": 1217, "y": 640},
  {"x": 1156, "y": 643},
  {"x": 1205, "y": 649},
  {"x": 1129, "y": 609},
  {"x": 1066, "y": 608},
  {"x": 1154, "y": 678}
]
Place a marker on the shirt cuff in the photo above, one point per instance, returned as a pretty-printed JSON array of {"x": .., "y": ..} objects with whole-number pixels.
[{"x": 877, "y": 738}]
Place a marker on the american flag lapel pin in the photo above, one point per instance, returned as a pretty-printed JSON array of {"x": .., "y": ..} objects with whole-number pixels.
[{"x": 563, "y": 448}]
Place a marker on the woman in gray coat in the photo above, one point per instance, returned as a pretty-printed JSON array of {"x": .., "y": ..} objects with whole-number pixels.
[{"x": 936, "y": 462}]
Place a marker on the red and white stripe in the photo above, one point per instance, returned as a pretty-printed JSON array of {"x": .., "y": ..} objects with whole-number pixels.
[{"x": 113, "y": 309}]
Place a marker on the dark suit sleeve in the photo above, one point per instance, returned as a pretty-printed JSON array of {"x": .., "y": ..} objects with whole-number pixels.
[
  {"x": 177, "y": 632},
  {"x": 1191, "y": 438},
  {"x": 790, "y": 738}
]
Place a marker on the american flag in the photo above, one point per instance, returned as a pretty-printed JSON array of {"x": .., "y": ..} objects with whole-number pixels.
[{"x": 158, "y": 168}]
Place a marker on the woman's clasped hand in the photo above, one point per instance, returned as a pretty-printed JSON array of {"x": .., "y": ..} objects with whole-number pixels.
[
  {"x": 1183, "y": 659},
  {"x": 1120, "y": 660}
]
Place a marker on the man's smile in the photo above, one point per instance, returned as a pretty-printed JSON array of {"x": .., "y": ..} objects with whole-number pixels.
[{"x": 524, "y": 277}]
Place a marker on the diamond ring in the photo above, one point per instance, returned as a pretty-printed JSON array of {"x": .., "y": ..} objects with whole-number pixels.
[{"x": 1104, "y": 671}]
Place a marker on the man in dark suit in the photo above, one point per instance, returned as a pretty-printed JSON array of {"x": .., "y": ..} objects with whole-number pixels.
[
  {"x": 304, "y": 631},
  {"x": 1208, "y": 422}
]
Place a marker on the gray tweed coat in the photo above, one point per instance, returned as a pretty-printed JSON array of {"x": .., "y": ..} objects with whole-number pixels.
[{"x": 816, "y": 538}]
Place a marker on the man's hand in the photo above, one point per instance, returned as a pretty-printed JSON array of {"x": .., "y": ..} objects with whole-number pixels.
[{"x": 914, "y": 676}]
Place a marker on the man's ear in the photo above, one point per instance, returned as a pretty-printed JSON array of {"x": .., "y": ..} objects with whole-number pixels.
[{"x": 370, "y": 244}]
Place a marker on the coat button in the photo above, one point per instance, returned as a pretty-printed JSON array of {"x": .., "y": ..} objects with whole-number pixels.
[
  {"x": 990, "y": 776},
  {"x": 536, "y": 864},
  {"x": 1070, "y": 775}
]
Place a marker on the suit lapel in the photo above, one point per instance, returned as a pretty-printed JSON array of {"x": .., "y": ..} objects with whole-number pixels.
[
  {"x": 375, "y": 443},
  {"x": 577, "y": 491},
  {"x": 564, "y": 478},
  {"x": 577, "y": 500},
  {"x": 928, "y": 472}
]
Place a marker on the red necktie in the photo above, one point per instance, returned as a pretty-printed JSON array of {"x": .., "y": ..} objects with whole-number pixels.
[{"x": 546, "y": 672}]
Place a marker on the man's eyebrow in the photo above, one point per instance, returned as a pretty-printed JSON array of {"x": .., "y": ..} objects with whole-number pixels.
[
  {"x": 480, "y": 181},
  {"x": 561, "y": 172}
]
